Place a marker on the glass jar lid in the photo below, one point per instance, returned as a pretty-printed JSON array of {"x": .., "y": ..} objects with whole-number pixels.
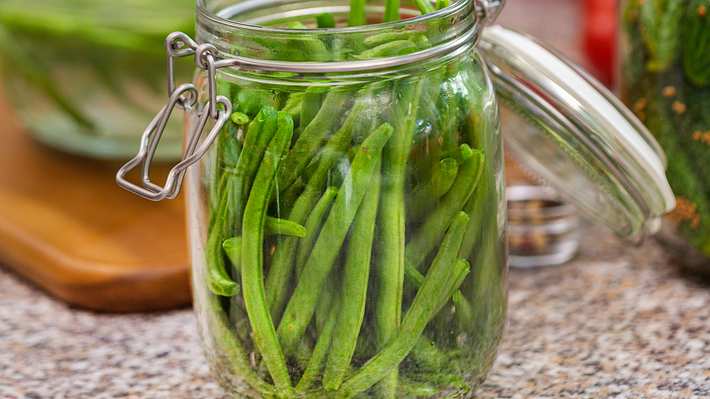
[{"x": 573, "y": 134}]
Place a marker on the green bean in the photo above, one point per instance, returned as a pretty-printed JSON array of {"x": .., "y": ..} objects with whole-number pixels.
[
  {"x": 251, "y": 101},
  {"x": 239, "y": 118},
  {"x": 425, "y": 6},
  {"x": 450, "y": 116},
  {"x": 386, "y": 37},
  {"x": 313, "y": 225},
  {"x": 389, "y": 49},
  {"x": 441, "y": 4},
  {"x": 231, "y": 349},
  {"x": 233, "y": 249},
  {"x": 465, "y": 153},
  {"x": 281, "y": 270},
  {"x": 293, "y": 105},
  {"x": 326, "y": 297},
  {"x": 357, "y": 13},
  {"x": 392, "y": 219},
  {"x": 258, "y": 136},
  {"x": 464, "y": 312},
  {"x": 312, "y": 101},
  {"x": 426, "y": 238},
  {"x": 425, "y": 196},
  {"x": 284, "y": 202},
  {"x": 300, "y": 308},
  {"x": 310, "y": 139},
  {"x": 442, "y": 182},
  {"x": 355, "y": 276},
  {"x": 325, "y": 20},
  {"x": 218, "y": 280},
  {"x": 229, "y": 207},
  {"x": 391, "y": 10},
  {"x": 263, "y": 331},
  {"x": 443, "y": 278},
  {"x": 315, "y": 364},
  {"x": 283, "y": 227}
]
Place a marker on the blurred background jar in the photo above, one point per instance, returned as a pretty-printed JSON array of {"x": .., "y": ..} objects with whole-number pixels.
[
  {"x": 665, "y": 79},
  {"x": 83, "y": 75}
]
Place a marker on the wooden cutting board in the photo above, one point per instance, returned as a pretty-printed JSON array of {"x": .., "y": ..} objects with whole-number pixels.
[{"x": 67, "y": 227}]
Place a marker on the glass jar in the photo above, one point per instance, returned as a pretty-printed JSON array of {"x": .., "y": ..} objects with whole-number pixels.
[
  {"x": 383, "y": 172},
  {"x": 346, "y": 211},
  {"x": 666, "y": 81},
  {"x": 84, "y": 76}
]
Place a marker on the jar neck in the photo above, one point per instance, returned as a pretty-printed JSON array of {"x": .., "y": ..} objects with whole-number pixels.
[{"x": 285, "y": 31}]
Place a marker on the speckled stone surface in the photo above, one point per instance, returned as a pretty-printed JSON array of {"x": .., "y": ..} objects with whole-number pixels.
[{"x": 617, "y": 322}]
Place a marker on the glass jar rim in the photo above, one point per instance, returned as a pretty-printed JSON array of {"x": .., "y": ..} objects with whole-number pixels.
[
  {"x": 215, "y": 27},
  {"x": 458, "y": 6}
]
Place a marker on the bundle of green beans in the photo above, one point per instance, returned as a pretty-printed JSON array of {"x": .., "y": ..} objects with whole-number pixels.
[
  {"x": 354, "y": 247},
  {"x": 666, "y": 81}
]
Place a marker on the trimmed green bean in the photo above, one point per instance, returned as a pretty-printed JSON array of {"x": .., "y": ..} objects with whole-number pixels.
[
  {"x": 282, "y": 263},
  {"x": 300, "y": 308},
  {"x": 425, "y": 6},
  {"x": 231, "y": 349},
  {"x": 386, "y": 37},
  {"x": 233, "y": 249},
  {"x": 465, "y": 153},
  {"x": 355, "y": 277},
  {"x": 389, "y": 49},
  {"x": 312, "y": 101},
  {"x": 325, "y": 20},
  {"x": 315, "y": 364},
  {"x": 293, "y": 105},
  {"x": 232, "y": 183},
  {"x": 357, "y": 13},
  {"x": 425, "y": 196},
  {"x": 263, "y": 331},
  {"x": 392, "y": 219},
  {"x": 391, "y": 10},
  {"x": 429, "y": 234},
  {"x": 313, "y": 225},
  {"x": 283, "y": 227},
  {"x": 443, "y": 278},
  {"x": 239, "y": 118},
  {"x": 310, "y": 139}
]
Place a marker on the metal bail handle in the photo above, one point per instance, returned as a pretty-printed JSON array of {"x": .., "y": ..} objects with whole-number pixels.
[
  {"x": 488, "y": 10},
  {"x": 185, "y": 96}
]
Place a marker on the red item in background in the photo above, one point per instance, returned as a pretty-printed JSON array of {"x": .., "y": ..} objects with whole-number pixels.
[{"x": 600, "y": 30}]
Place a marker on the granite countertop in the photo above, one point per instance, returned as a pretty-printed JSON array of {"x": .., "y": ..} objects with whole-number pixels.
[{"x": 617, "y": 322}]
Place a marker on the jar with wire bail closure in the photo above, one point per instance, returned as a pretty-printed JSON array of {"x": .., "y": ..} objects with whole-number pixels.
[{"x": 346, "y": 205}]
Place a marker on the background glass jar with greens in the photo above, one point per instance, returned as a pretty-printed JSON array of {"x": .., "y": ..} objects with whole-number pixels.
[
  {"x": 666, "y": 81},
  {"x": 83, "y": 75}
]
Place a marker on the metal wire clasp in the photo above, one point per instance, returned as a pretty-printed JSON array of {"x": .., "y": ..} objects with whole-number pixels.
[
  {"x": 488, "y": 10},
  {"x": 185, "y": 96}
]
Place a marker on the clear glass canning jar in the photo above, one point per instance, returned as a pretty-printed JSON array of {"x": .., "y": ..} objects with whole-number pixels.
[
  {"x": 84, "y": 75},
  {"x": 346, "y": 211},
  {"x": 665, "y": 79}
]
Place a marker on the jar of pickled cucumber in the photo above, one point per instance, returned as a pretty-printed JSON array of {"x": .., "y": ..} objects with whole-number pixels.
[
  {"x": 84, "y": 75},
  {"x": 345, "y": 191},
  {"x": 665, "y": 79}
]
